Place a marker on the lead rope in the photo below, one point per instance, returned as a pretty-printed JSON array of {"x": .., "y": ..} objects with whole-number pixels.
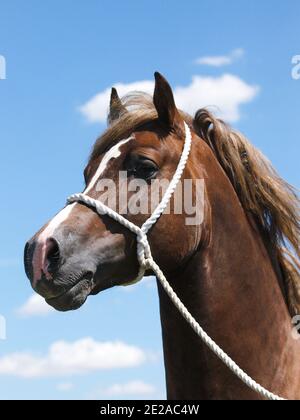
[{"x": 147, "y": 262}]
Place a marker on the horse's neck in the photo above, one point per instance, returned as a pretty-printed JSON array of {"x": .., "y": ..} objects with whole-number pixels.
[{"x": 231, "y": 288}]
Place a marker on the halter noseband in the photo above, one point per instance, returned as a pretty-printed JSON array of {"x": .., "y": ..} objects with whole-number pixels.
[{"x": 146, "y": 262}]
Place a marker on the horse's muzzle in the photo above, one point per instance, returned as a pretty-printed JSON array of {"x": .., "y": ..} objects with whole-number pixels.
[
  {"x": 62, "y": 288},
  {"x": 41, "y": 263}
]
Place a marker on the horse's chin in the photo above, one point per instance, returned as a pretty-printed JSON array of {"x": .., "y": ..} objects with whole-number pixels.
[
  {"x": 88, "y": 284},
  {"x": 73, "y": 298}
]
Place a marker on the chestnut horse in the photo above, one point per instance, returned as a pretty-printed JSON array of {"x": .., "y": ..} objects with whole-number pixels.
[{"x": 231, "y": 270}]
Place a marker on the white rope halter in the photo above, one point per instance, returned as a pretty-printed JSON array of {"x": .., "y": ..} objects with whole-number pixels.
[{"x": 146, "y": 262}]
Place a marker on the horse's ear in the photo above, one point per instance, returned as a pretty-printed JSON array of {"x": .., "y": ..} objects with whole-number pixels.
[
  {"x": 116, "y": 108},
  {"x": 165, "y": 104}
]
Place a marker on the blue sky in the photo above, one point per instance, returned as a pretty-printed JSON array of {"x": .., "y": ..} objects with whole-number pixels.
[{"x": 58, "y": 57}]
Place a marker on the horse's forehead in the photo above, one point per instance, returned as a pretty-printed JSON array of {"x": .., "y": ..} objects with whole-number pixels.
[
  {"x": 113, "y": 153},
  {"x": 147, "y": 138},
  {"x": 145, "y": 141}
]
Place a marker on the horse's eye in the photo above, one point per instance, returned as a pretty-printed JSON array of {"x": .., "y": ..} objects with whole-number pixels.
[{"x": 141, "y": 167}]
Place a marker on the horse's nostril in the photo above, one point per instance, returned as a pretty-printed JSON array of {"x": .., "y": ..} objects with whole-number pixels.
[{"x": 52, "y": 255}]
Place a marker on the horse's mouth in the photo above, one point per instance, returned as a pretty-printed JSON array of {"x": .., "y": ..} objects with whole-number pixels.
[{"x": 74, "y": 297}]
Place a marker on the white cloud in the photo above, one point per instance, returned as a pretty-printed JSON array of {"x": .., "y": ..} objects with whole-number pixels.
[
  {"x": 227, "y": 93},
  {"x": 35, "y": 306},
  {"x": 70, "y": 358},
  {"x": 221, "y": 60},
  {"x": 65, "y": 386},
  {"x": 95, "y": 110},
  {"x": 134, "y": 388}
]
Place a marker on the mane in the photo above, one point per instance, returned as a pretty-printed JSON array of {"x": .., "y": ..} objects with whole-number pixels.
[
  {"x": 273, "y": 202},
  {"x": 263, "y": 193}
]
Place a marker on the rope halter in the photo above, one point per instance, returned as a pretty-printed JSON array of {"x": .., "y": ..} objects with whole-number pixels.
[{"x": 146, "y": 262}]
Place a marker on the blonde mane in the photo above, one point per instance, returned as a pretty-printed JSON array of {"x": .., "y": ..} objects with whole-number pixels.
[{"x": 272, "y": 201}]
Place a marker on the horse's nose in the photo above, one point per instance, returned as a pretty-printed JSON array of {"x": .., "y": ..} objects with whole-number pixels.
[
  {"x": 51, "y": 257},
  {"x": 42, "y": 257}
]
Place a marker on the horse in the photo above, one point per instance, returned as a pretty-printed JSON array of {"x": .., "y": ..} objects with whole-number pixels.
[{"x": 236, "y": 271}]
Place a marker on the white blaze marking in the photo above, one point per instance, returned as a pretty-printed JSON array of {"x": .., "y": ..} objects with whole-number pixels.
[
  {"x": 56, "y": 221},
  {"x": 113, "y": 153},
  {"x": 40, "y": 251},
  {"x": 48, "y": 232}
]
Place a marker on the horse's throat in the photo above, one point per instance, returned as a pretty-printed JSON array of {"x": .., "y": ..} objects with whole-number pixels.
[{"x": 232, "y": 290}]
